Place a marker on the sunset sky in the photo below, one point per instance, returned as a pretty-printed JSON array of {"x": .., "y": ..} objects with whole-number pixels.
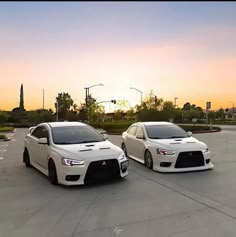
[{"x": 176, "y": 49}]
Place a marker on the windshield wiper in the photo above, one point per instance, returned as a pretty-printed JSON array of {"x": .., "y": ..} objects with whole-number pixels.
[
  {"x": 175, "y": 137},
  {"x": 86, "y": 141},
  {"x": 155, "y": 137},
  {"x": 63, "y": 143}
]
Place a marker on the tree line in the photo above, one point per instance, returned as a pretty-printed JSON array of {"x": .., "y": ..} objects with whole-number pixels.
[{"x": 151, "y": 109}]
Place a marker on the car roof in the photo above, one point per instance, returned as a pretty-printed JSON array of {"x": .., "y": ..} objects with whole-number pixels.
[
  {"x": 65, "y": 124},
  {"x": 153, "y": 123}
]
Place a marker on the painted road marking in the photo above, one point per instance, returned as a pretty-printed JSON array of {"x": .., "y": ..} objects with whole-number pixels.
[
  {"x": 3, "y": 150},
  {"x": 4, "y": 145}
]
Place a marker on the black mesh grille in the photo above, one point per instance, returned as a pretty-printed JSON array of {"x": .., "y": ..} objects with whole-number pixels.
[
  {"x": 190, "y": 159},
  {"x": 102, "y": 170}
]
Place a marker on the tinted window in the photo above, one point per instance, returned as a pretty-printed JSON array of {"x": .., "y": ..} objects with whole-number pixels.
[
  {"x": 40, "y": 132},
  {"x": 165, "y": 132},
  {"x": 37, "y": 132},
  {"x": 75, "y": 135},
  {"x": 132, "y": 130}
]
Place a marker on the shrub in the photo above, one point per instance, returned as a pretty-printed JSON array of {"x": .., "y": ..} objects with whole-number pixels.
[{"x": 2, "y": 136}]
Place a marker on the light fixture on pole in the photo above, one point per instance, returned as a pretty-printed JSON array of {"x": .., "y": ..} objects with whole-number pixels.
[
  {"x": 87, "y": 96},
  {"x": 139, "y": 92}
]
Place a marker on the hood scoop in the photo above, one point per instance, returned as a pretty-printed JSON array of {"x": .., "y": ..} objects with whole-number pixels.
[
  {"x": 85, "y": 150},
  {"x": 175, "y": 143},
  {"x": 104, "y": 148},
  {"x": 190, "y": 142},
  {"x": 89, "y": 145}
]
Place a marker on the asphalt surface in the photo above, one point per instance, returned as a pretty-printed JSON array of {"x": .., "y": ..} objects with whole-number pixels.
[{"x": 144, "y": 204}]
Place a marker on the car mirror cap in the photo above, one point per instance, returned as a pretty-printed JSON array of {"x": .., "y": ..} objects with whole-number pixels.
[
  {"x": 105, "y": 135},
  {"x": 43, "y": 141},
  {"x": 190, "y": 133}
]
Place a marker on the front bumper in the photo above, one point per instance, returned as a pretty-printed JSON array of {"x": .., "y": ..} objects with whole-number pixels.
[
  {"x": 170, "y": 163},
  {"x": 79, "y": 175}
]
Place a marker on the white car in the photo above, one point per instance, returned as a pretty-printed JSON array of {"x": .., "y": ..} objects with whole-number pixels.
[
  {"x": 165, "y": 147},
  {"x": 73, "y": 153}
]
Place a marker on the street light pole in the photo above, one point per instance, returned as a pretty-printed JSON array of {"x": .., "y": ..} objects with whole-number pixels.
[
  {"x": 139, "y": 92},
  {"x": 43, "y": 99},
  {"x": 57, "y": 110},
  {"x": 233, "y": 108},
  {"x": 87, "y": 96}
]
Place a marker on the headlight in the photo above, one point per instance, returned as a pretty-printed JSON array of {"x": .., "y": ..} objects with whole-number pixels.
[
  {"x": 122, "y": 156},
  {"x": 165, "y": 152},
  {"x": 70, "y": 162},
  {"x": 205, "y": 150}
]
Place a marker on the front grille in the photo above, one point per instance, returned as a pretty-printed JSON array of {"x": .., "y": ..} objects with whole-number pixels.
[
  {"x": 100, "y": 171},
  {"x": 190, "y": 159}
]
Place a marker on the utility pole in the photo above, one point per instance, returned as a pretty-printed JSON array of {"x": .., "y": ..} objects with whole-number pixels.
[
  {"x": 43, "y": 99},
  {"x": 57, "y": 110}
]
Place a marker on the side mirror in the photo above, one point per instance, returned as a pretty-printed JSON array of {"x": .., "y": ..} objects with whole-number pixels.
[
  {"x": 105, "y": 135},
  {"x": 190, "y": 133},
  {"x": 140, "y": 137},
  {"x": 43, "y": 141}
]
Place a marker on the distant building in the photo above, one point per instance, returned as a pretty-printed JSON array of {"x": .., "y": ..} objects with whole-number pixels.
[{"x": 21, "y": 105}]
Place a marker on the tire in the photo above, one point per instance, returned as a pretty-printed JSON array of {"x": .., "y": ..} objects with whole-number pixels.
[
  {"x": 123, "y": 147},
  {"x": 26, "y": 158},
  {"x": 148, "y": 159},
  {"x": 52, "y": 172}
]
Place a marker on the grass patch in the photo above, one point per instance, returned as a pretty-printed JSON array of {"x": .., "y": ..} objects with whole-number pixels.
[
  {"x": 2, "y": 136},
  {"x": 7, "y": 129}
]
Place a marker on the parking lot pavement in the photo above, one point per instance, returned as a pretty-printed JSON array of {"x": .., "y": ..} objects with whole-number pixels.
[{"x": 145, "y": 203}]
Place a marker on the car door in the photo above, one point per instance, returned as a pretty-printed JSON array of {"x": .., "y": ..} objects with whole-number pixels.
[
  {"x": 139, "y": 143},
  {"x": 33, "y": 146},
  {"x": 130, "y": 136},
  {"x": 39, "y": 152},
  {"x": 43, "y": 148}
]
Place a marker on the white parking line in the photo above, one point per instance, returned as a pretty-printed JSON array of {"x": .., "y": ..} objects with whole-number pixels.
[
  {"x": 4, "y": 145},
  {"x": 3, "y": 150},
  {"x": 1, "y": 158}
]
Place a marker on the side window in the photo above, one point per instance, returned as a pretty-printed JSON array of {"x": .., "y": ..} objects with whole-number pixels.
[
  {"x": 44, "y": 132},
  {"x": 132, "y": 130},
  {"x": 40, "y": 132},
  {"x": 139, "y": 132},
  {"x": 37, "y": 132}
]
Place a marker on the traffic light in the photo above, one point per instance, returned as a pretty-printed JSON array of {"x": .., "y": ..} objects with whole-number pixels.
[{"x": 113, "y": 101}]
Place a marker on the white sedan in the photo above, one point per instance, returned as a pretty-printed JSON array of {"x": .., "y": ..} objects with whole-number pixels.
[
  {"x": 73, "y": 153},
  {"x": 165, "y": 147}
]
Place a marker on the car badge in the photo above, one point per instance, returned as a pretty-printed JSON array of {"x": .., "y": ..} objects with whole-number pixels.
[{"x": 104, "y": 163}]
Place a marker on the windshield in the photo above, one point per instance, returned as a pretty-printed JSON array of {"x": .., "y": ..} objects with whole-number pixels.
[
  {"x": 165, "y": 132},
  {"x": 75, "y": 135}
]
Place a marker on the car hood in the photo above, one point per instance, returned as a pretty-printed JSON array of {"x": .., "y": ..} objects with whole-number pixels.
[
  {"x": 91, "y": 150},
  {"x": 178, "y": 143}
]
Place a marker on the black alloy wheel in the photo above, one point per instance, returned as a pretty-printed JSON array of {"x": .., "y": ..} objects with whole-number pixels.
[
  {"x": 148, "y": 159},
  {"x": 52, "y": 172},
  {"x": 123, "y": 147},
  {"x": 26, "y": 158}
]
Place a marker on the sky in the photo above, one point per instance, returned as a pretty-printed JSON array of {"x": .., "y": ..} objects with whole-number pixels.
[{"x": 184, "y": 50}]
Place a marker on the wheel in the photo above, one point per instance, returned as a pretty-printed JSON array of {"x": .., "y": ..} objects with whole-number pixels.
[
  {"x": 52, "y": 172},
  {"x": 123, "y": 147},
  {"x": 26, "y": 158},
  {"x": 148, "y": 159}
]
